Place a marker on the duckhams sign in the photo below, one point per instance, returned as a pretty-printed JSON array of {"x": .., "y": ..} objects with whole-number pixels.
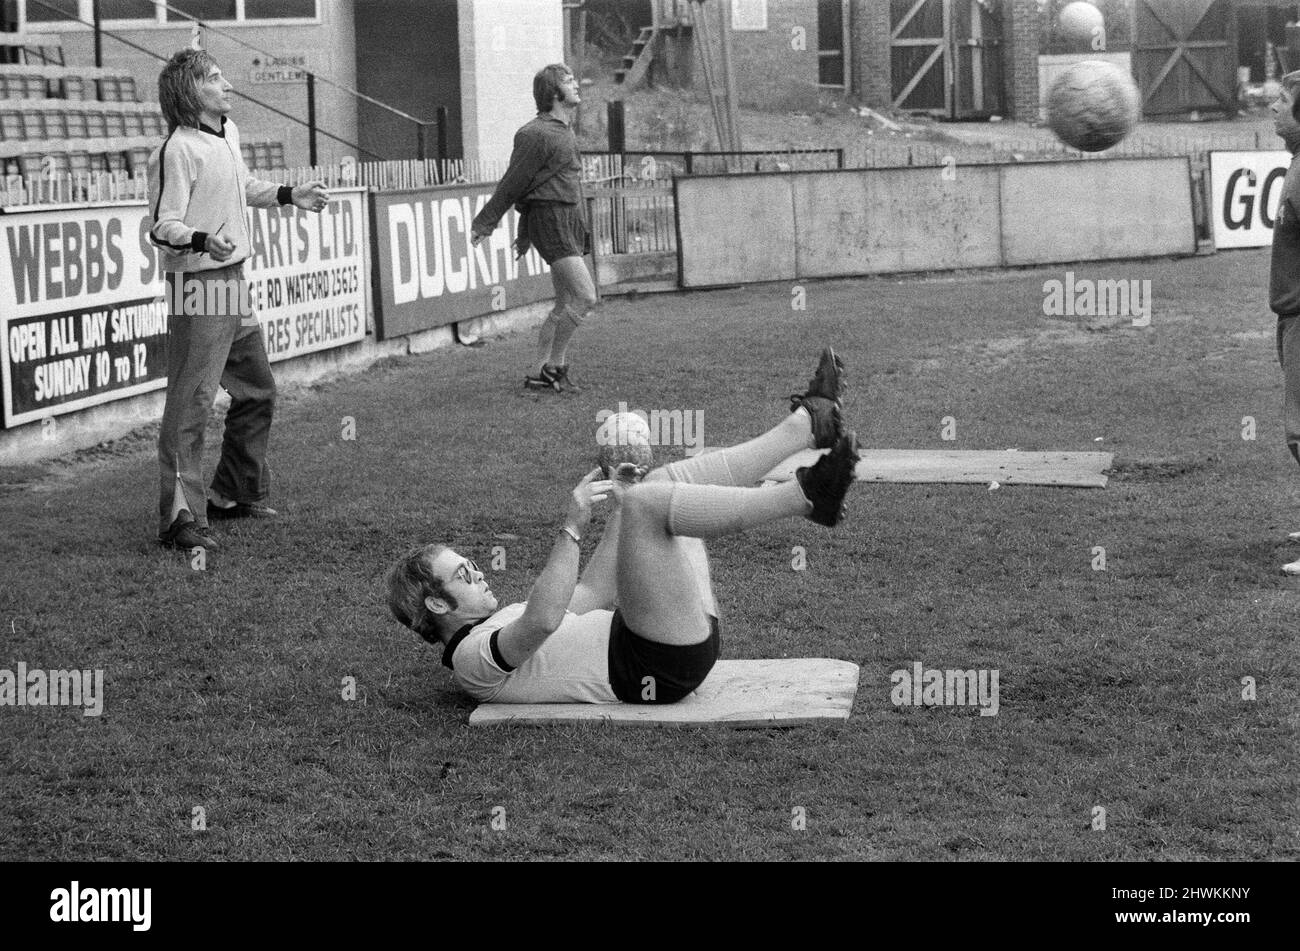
[
  {"x": 84, "y": 315},
  {"x": 427, "y": 274}
]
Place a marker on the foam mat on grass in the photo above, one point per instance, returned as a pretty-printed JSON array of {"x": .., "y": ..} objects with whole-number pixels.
[{"x": 737, "y": 693}]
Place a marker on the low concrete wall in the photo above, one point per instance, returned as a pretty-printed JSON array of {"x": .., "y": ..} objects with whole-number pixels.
[
  {"x": 783, "y": 226},
  {"x": 1093, "y": 211},
  {"x": 735, "y": 229},
  {"x": 857, "y": 224}
]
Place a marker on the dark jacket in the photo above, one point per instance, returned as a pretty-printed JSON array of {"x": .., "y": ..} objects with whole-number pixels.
[
  {"x": 544, "y": 166},
  {"x": 1284, "y": 275}
]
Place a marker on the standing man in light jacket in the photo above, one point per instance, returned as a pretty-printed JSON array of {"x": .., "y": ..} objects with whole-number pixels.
[
  {"x": 199, "y": 192},
  {"x": 545, "y": 180}
]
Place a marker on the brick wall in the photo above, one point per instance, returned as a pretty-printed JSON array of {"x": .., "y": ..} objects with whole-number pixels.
[
  {"x": 1020, "y": 39},
  {"x": 871, "y": 24},
  {"x": 771, "y": 71},
  {"x": 869, "y": 31}
]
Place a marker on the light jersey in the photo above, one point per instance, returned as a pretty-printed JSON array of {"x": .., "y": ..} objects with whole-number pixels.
[
  {"x": 198, "y": 183},
  {"x": 571, "y": 666}
]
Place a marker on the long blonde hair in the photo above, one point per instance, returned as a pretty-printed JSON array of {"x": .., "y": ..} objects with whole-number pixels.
[{"x": 178, "y": 87}]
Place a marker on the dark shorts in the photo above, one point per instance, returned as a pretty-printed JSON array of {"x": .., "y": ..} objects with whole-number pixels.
[
  {"x": 557, "y": 230},
  {"x": 676, "y": 670}
]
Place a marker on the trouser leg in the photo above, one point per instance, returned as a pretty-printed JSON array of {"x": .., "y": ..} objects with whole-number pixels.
[
  {"x": 1288, "y": 354},
  {"x": 243, "y": 475},
  {"x": 197, "y": 347}
]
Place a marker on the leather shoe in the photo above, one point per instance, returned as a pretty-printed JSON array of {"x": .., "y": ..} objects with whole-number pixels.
[
  {"x": 241, "y": 510},
  {"x": 184, "y": 534}
]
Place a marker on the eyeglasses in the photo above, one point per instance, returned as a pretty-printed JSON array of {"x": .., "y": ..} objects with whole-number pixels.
[{"x": 463, "y": 572}]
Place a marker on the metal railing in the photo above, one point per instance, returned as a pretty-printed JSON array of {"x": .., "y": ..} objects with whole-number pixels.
[
  {"x": 398, "y": 173},
  {"x": 660, "y": 164},
  {"x": 60, "y": 187},
  {"x": 1045, "y": 149},
  {"x": 21, "y": 191},
  {"x": 632, "y": 216}
]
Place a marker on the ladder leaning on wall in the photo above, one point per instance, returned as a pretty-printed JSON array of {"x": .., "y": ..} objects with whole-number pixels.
[{"x": 722, "y": 88}]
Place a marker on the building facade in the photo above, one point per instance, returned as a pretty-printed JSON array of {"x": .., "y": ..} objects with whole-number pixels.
[
  {"x": 475, "y": 58},
  {"x": 948, "y": 58}
]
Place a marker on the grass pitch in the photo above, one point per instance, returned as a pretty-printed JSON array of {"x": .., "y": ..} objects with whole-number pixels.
[{"x": 1119, "y": 689}]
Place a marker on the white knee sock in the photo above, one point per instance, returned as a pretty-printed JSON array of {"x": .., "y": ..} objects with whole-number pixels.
[
  {"x": 709, "y": 511},
  {"x": 746, "y": 463},
  {"x": 566, "y": 325},
  {"x": 545, "y": 338}
]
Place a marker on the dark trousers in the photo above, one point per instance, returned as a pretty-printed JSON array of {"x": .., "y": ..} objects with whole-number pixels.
[
  {"x": 1288, "y": 354},
  {"x": 205, "y": 351}
]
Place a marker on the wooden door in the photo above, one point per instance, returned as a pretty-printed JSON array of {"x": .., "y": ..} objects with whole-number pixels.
[
  {"x": 919, "y": 56},
  {"x": 946, "y": 57},
  {"x": 1185, "y": 56}
]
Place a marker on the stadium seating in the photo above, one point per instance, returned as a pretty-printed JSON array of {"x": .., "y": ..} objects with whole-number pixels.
[
  {"x": 21, "y": 81},
  {"x": 33, "y": 49},
  {"x": 38, "y": 119},
  {"x": 263, "y": 156},
  {"x": 59, "y": 120}
]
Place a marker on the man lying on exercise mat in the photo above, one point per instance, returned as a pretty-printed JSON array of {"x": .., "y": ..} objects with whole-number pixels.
[{"x": 641, "y": 623}]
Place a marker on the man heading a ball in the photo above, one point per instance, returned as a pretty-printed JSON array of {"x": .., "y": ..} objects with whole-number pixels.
[
  {"x": 544, "y": 180},
  {"x": 640, "y": 625}
]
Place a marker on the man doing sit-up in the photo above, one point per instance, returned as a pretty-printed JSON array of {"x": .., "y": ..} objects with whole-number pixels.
[{"x": 641, "y": 624}]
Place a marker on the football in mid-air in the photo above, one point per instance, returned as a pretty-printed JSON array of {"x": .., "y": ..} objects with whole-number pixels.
[
  {"x": 1081, "y": 22},
  {"x": 1093, "y": 105},
  {"x": 624, "y": 441}
]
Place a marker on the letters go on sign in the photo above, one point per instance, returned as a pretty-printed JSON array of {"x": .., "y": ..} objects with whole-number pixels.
[{"x": 1245, "y": 189}]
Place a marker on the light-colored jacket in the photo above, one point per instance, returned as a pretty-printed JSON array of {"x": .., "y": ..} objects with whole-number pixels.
[{"x": 199, "y": 185}]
